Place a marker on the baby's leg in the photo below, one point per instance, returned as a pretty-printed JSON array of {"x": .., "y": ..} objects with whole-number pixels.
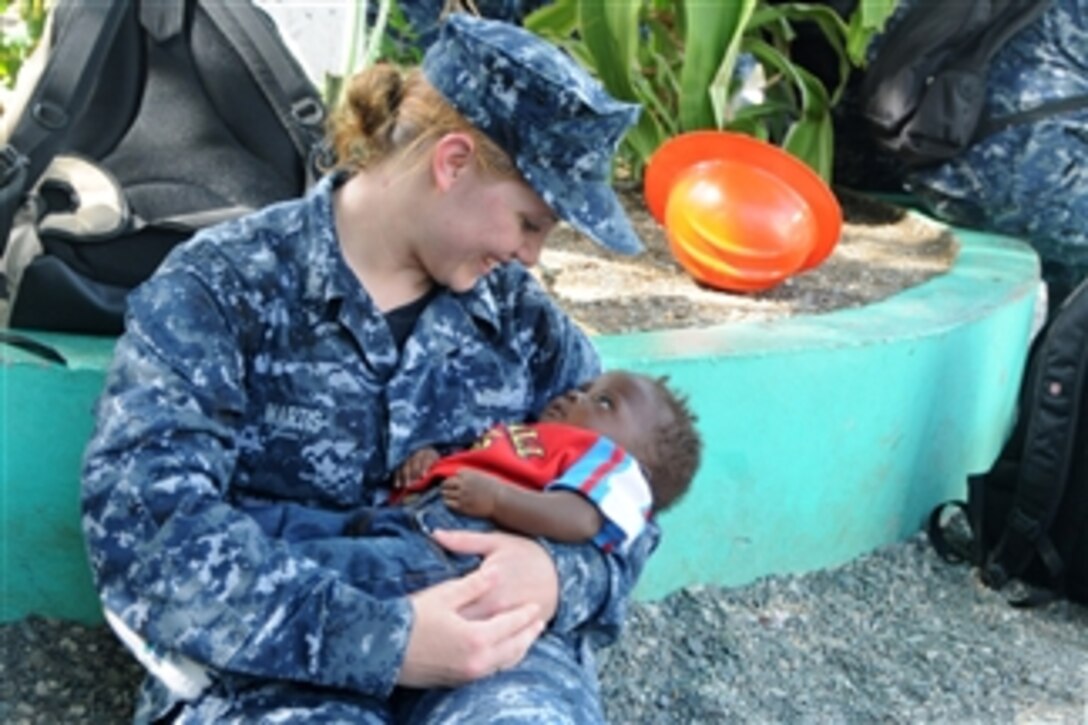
[{"x": 391, "y": 556}]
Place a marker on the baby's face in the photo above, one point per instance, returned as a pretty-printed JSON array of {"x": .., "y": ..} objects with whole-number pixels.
[{"x": 624, "y": 407}]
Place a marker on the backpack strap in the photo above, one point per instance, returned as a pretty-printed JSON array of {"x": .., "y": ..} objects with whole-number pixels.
[
  {"x": 83, "y": 35},
  {"x": 32, "y": 346},
  {"x": 277, "y": 72},
  {"x": 1044, "y": 110},
  {"x": 1058, "y": 389}
]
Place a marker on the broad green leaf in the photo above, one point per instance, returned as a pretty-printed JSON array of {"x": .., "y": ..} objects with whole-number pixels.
[
  {"x": 812, "y": 141},
  {"x": 767, "y": 110},
  {"x": 811, "y": 138},
  {"x": 772, "y": 17},
  {"x": 867, "y": 20},
  {"x": 653, "y": 105},
  {"x": 554, "y": 20},
  {"x": 376, "y": 33},
  {"x": 750, "y": 127},
  {"x": 874, "y": 14},
  {"x": 610, "y": 32},
  {"x": 713, "y": 31},
  {"x": 581, "y": 54},
  {"x": 814, "y": 98}
]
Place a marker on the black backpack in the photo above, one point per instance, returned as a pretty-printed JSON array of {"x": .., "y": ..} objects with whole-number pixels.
[
  {"x": 1028, "y": 515},
  {"x": 923, "y": 95},
  {"x": 181, "y": 113}
]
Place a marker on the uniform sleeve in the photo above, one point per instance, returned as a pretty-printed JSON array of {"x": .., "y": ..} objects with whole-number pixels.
[
  {"x": 171, "y": 556},
  {"x": 595, "y": 586}
]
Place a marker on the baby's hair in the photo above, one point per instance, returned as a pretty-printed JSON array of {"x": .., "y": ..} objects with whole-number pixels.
[
  {"x": 677, "y": 451},
  {"x": 387, "y": 111}
]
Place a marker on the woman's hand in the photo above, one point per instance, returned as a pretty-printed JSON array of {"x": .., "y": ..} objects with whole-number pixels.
[
  {"x": 523, "y": 572},
  {"x": 448, "y": 648},
  {"x": 472, "y": 627}
]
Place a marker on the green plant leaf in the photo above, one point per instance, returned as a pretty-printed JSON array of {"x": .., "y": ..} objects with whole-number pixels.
[
  {"x": 780, "y": 18},
  {"x": 399, "y": 42},
  {"x": 645, "y": 136},
  {"x": 769, "y": 109},
  {"x": 750, "y": 127},
  {"x": 377, "y": 32},
  {"x": 555, "y": 20},
  {"x": 812, "y": 140},
  {"x": 610, "y": 32},
  {"x": 810, "y": 136},
  {"x": 814, "y": 97},
  {"x": 653, "y": 105},
  {"x": 712, "y": 36},
  {"x": 867, "y": 20},
  {"x": 677, "y": 58}
]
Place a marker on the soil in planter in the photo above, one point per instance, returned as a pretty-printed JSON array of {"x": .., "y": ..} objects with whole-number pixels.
[{"x": 882, "y": 251}]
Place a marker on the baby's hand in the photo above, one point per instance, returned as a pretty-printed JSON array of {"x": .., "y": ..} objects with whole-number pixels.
[
  {"x": 471, "y": 492},
  {"x": 413, "y": 469}
]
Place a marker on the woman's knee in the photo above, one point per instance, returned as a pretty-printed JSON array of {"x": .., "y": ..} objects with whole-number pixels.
[{"x": 551, "y": 685}]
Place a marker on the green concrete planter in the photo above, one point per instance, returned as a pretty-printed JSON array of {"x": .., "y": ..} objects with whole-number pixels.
[
  {"x": 828, "y": 436},
  {"x": 46, "y": 412},
  {"x": 831, "y": 435}
]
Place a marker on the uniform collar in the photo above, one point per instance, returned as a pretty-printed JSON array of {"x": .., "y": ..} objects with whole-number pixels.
[
  {"x": 337, "y": 282},
  {"x": 480, "y": 302}
]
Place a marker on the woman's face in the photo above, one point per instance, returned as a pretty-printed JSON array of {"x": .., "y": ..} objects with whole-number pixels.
[{"x": 482, "y": 221}]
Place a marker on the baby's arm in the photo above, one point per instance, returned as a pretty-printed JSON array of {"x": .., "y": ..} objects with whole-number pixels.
[
  {"x": 409, "y": 472},
  {"x": 414, "y": 467},
  {"x": 557, "y": 515}
]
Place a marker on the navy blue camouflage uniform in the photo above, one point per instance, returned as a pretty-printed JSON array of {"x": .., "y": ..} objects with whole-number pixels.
[{"x": 255, "y": 371}]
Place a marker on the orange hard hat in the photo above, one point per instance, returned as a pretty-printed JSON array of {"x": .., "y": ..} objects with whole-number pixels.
[{"x": 741, "y": 214}]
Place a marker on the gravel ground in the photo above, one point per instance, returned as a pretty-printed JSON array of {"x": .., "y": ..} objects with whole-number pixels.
[{"x": 896, "y": 636}]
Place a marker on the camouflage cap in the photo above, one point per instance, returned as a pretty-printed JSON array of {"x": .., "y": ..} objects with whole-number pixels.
[{"x": 555, "y": 121}]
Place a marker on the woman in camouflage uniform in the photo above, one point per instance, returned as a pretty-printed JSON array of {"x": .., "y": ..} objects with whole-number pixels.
[{"x": 294, "y": 358}]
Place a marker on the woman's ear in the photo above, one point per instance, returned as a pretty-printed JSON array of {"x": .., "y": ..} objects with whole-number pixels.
[{"x": 453, "y": 155}]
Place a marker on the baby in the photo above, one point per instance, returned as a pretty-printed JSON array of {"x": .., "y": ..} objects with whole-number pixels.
[
  {"x": 595, "y": 466},
  {"x": 598, "y": 462}
]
